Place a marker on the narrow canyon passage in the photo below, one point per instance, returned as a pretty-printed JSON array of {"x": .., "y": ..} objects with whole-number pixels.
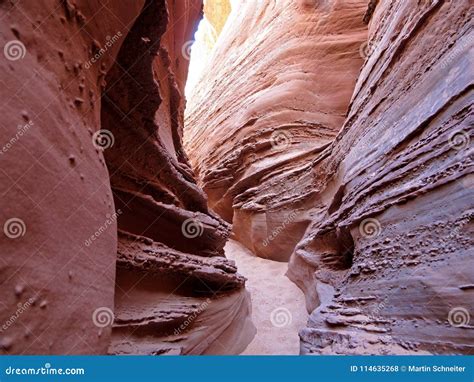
[
  {"x": 252, "y": 125},
  {"x": 278, "y": 305},
  {"x": 294, "y": 178},
  {"x": 318, "y": 130}
]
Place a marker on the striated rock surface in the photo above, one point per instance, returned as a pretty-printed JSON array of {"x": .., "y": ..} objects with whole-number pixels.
[
  {"x": 349, "y": 156},
  {"x": 373, "y": 203},
  {"x": 273, "y": 96},
  {"x": 154, "y": 189},
  {"x": 389, "y": 253},
  {"x": 170, "y": 302},
  {"x": 99, "y": 97}
]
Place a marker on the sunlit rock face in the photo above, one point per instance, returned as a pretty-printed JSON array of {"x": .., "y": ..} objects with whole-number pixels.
[
  {"x": 388, "y": 255},
  {"x": 201, "y": 47},
  {"x": 216, "y": 13},
  {"x": 99, "y": 93},
  {"x": 273, "y": 96}
]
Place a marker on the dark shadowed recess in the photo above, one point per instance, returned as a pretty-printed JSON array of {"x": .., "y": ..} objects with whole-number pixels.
[{"x": 152, "y": 187}]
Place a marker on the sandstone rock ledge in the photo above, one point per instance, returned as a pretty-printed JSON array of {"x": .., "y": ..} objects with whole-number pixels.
[
  {"x": 396, "y": 188},
  {"x": 370, "y": 196}
]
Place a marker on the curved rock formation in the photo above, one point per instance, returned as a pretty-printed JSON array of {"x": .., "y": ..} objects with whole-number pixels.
[
  {"x": 54, "y": 181},
  {"x": 154, "y": 188},
  {"x": 389, "y": 251},
  {"x": 276, "y": 92},
  {"x": 120, "y": 108},
  {"x": 358, "y": 173},
  {"x": 377, "y": 217}
]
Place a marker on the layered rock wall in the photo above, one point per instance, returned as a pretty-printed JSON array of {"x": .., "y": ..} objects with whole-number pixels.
[
  {"x": 161, "y": 308},
  {"x": 389, "y": 250},
  {"x": 362, "y": 177},
  {"x": 371, "y": 198},
  {"x": 97, "y": 92},
  {"x": 274, "y": 95}
]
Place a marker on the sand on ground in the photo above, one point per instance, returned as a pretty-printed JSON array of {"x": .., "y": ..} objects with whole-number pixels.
[{"x": 278, "y": 305}]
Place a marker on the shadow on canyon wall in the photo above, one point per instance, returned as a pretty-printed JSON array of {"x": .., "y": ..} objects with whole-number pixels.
[{"x": 333, "y": 135}]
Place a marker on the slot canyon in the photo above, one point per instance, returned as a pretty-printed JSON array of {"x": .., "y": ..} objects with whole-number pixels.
[{"x": 219, "y": 177}]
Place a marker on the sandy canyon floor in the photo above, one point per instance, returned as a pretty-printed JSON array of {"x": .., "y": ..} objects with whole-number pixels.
[{"x": 278, "y": 305}]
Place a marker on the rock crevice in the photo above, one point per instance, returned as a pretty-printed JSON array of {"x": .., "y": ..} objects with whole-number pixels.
[{"x": 161, "y": 204}]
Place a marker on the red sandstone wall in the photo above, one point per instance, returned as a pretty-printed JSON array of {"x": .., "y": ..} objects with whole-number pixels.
[{"x": 59, "y": 255}]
